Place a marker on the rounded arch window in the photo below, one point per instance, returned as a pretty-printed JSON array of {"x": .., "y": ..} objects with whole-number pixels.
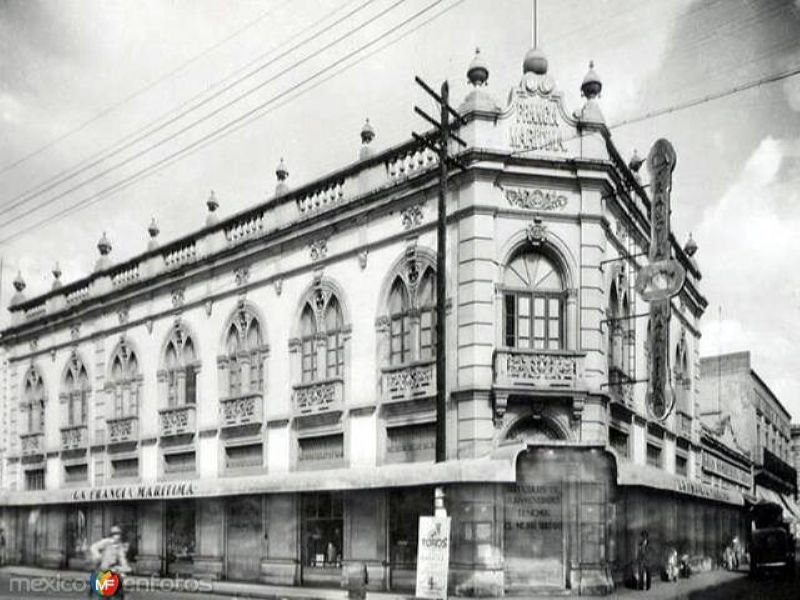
[
  {"x": 533, "y": 303},
  {"x": 412, "y": 319},
  {"x": 322, "y": 337}
]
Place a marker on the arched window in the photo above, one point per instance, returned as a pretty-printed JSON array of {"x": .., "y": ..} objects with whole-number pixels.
[
  {"x": 412, "y": 313},
  {"x": 682, "y": 380},
  {"x": 244, "y": 354},
  {"x": 33, "y": 401},
  {"x": 322, "y": 335},
  {"x": 125, "y": 382},
  {"x": 533, "y": 303},
  {"x": 400, "y": 323},
  {"x": 613, "y": 329},
  {"x": 426, "y": 304},
  {"x": 180, "y": 368},
  {"x": 75, "y": 393}
]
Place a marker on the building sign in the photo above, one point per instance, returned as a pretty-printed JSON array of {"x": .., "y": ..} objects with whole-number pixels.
[
  {"x": 695, "y": 488},
  {"x": 433, "y": 557},
  {"x": 660, "y": 280},
  {"x": 537, "y": 124},
  {"x": 726, "y": 470},
  {"x": 534, "y": 535},
  {"x": 143, "y": 491}
]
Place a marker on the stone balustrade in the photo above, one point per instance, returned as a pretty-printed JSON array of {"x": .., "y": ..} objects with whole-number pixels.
[
  {"x": 181, "y": 255},
  {"x": 409, "y": 382},
  {"x": 318, "y": 396},
  {"x": 177, "y": 420},
  {"x": 125, "y": 275},
  {"x": 374, "y": 172},
  {"x": 123, "y": 429},
  {"x": 74, "y": 437},
  {"x": 245, "y": 227},
  {"x": 540, "y": 369},
  {"x": 247, "y": 409},
  {"x": 31, "y": 444}
]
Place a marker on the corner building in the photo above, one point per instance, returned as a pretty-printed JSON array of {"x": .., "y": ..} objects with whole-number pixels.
[{"x": 256, "y": 400}]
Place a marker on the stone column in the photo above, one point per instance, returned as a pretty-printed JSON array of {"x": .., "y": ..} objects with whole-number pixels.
[
  {"x": 282, "y": 564},
  {"x": 365, "y": 535}
]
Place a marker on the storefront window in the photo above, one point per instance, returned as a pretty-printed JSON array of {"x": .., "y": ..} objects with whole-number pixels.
[
  {"x": 180, "y": 528},
  {"x": 322, "y": 524},
  {"x": 405, "y": 508}
]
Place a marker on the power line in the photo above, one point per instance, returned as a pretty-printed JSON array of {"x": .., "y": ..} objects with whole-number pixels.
[
  {"x": 202, "y": 119},
  {"x": 140, "y": 91},
  {"x": 229, "y": 127},
  {"x": 35, "y": 192}
]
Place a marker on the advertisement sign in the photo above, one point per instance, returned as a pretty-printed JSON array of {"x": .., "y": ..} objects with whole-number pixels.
[{"x": 433, "y": 557}]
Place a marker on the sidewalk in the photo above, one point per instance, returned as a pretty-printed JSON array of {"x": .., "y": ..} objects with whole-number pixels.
[{"x": 659, "y": 591}]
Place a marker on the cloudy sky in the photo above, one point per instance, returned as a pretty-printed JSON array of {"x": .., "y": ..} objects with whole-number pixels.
[{"x": 80, "y": 78}]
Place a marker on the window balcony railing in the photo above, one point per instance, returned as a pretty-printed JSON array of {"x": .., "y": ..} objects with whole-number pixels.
[
  {"x": 31, "y": 444},
  {"x": 74, "y": 437},
  {"x": 177, "y": 420},
  {"x": 245, "y": 409},
  {"x": 620, "y": 387},
  {"x": 123, "y": 429},
  {"x": 538, "y": 369},
  {"x": 317, "y": 397},
  {"x": 409, "y": 382}
]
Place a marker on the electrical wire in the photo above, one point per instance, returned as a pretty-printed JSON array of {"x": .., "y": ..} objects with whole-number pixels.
[
  {"x": 213, "y": 136},
  {"x": 140, "y": 91}
]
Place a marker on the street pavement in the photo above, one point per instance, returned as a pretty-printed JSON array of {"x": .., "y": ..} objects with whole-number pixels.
[{"x": 20, "y": 583}]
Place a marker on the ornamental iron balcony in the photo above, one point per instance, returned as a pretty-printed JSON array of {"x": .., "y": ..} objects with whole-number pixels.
[
  {"x": 247, "y": 409},
  {"x": 31, "y": 444},
  {"x": 409, "y": 382},
  {"x": 123, "y": 429},
  {"x": 177, "y": 420},
  {"x": 317, "y": 397},
  {"x": 74, "y": 437},
  {"x": 537, "y": 369},
  {"x": 620, "y": 386}
]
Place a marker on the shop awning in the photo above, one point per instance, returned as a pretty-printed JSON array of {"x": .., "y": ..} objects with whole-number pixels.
[
  {"x": 500, "y": 467},
  {"x": 646, "y": 476},
  {"x": 767, "y": 495},
  {"x": 791, "y": 510}
]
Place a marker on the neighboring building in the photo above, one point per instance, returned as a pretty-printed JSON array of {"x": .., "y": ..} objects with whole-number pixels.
[
  {"x": 256, "y": 400},
  {"x": 732, "y": 392},
  {"x": 796, "y": 450}
]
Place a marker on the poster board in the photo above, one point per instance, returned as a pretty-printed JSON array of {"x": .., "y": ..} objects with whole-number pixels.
[{"x": 433, "y": 557}]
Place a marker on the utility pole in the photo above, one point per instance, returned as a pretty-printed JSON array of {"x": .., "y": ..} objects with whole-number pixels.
[{"x": 439, "y": 142}]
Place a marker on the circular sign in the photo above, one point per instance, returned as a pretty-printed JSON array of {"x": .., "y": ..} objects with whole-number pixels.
[
  {"x": 660, "y": 405},
  {"x": 660, "y": 280}
]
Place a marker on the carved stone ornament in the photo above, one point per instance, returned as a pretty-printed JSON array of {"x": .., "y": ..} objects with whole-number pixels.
[
  {"x": 53, "y": 355},
  {"x": 177, "y": 297},
  {"x": 362, "y": 259},
  {"x": 242, "y": 275},
  {"x": 34, "y": 344},
  {"x": 318, "y": 249},
  {"x": 149, "y": 325},
  {"x": 209, "y": 306},
  {"x": 278, "y": 285},
  {"x": 537, "y": 232},
  {"x": 123, "y": 315},
  {"x": 411, "y": 216},
  {"x": 535, "y": 199},
  {"x": 75, "y": 331}
]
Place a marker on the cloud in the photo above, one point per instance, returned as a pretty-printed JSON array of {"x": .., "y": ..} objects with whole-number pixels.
[{"x": 750, "y": 269}]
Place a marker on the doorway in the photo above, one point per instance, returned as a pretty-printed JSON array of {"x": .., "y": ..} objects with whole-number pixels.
[{"x": 244, "y": 538}]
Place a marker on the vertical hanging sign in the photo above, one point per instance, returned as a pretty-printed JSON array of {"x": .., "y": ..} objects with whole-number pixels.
[
  {"x": 661, "y": 279},
  {"x": 433, "y": 557}
]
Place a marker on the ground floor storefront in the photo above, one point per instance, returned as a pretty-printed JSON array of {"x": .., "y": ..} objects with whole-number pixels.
[{"x": 562, "y": 518}]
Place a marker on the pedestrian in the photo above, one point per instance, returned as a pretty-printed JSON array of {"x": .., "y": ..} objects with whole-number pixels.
[
  {"x": 642, "y": 562},
  {"x": 108, "y": 554}
]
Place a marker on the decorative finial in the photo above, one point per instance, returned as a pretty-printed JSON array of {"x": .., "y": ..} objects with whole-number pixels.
[
  {"x": 690, "y": 247},
  {"x": 153, "y": 231},
  {"x": 535, "y": 62},
  {"x": 104, "y": 245},
  {"x": 636, "y": 161},
  {"x": 592, "y": 85},
  {"x": 56, "y": 276},
  {"x": 478, "y": 71},
  {"x": 212, "y": 204},
  {"x": 19, "y": 282},
  {"x": 282, "y": 173},
  {"x": 367, "y": 132}
]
